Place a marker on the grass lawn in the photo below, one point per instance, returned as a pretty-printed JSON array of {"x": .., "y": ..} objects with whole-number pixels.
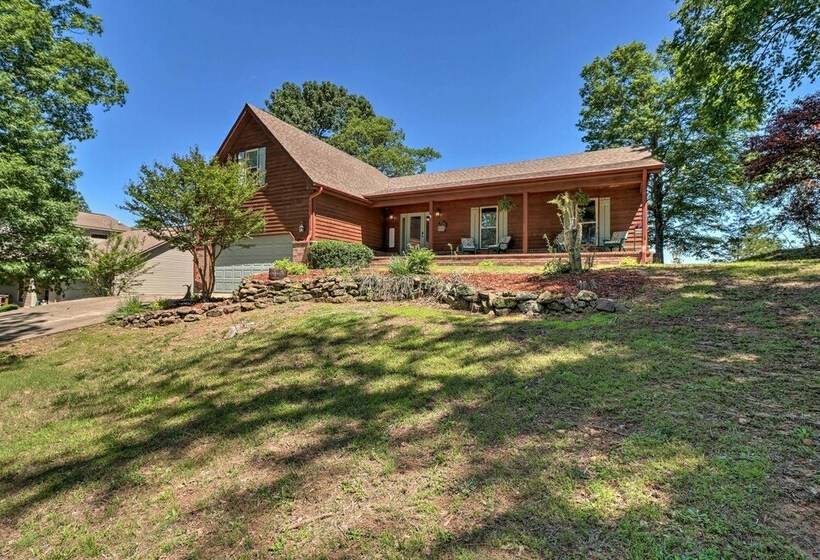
[{"x": 687, "y": 428}]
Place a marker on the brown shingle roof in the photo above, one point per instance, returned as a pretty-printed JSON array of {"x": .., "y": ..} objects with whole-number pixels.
[
  {"x": 145, "y": 241},
  {"x": 92, "y": 220},
  {"x": 331, "y": 167},
  {"x": 598, "y": 160},
  {"x": 324, "y": 164}
]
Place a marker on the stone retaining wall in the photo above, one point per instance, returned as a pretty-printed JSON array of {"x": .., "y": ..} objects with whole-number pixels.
[{"x": 255, "y": 293}]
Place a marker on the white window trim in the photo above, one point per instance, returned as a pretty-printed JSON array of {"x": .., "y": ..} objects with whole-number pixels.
[
  {"x": 594, "y": 221},
  {"x": 480, "y": 209},
  {"x": 260, "y": 151}
]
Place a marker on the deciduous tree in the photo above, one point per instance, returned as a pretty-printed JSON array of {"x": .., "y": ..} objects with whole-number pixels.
[
  {"x": 50, "y": 77},
  {"x": 198, "y": 206},
  {"x": 631, "y": 98},
  {"x": 784, "y": 164},
  {"x": 743, "y": 54},
  {"x": 348, "y": 122},
  {"x": 115, "y": 267}
]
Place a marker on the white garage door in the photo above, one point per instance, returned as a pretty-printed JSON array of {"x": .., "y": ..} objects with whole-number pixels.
[
  {"x": 247, "y": 257},
  {"x": 169, "y": 274}
]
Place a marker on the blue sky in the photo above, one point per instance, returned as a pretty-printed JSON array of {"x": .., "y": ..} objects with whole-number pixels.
[{"x": 482, "y": 82}]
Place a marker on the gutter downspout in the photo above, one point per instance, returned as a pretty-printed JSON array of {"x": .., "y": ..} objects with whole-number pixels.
[{"x": 312, "y": 213}]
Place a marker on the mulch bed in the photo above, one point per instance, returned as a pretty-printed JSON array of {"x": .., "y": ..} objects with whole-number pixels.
[{"x": 617, "y": 284}]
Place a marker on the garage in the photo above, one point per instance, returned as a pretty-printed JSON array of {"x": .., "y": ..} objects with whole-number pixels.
[
  {"x": 170, "y": 273},
  {"x": 249, "y": 256}
]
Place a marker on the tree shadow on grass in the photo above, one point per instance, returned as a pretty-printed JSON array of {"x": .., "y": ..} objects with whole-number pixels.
[{"x": 523, "y": 396}]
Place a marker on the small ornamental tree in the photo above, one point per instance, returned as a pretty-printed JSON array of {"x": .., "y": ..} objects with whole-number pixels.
[
  {"x": 197, "y": 206},
  {"x": 115, "y": 267},
  {"x": 784, "y": 162},
  {"x": 570, "y": 206}
]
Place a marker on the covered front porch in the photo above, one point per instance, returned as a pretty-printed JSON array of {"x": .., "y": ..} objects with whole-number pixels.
[{"x": 521, "y": 227}]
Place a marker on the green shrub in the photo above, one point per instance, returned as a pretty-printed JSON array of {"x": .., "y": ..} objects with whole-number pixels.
[
  {"x": 338, "y": 254},
  {"x": 7, "y": 307},
  {"x": 398, "y": 266},
  {"x": 556, "y": 266},
  {"x": 293, "y": 268},
  {"x": 128, "y": 307},
  {"x": 420, "y": 260}
]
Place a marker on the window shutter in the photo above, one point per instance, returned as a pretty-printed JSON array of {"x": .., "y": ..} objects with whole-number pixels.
[
  {"x": 262, "y": 167},
  {"x": 604, "y": 220},
  {"x": 502, "y": 225},
  {"x": 474, "y": 224}
]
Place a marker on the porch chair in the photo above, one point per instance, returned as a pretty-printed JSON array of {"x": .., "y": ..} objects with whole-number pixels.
[
  {"x": 616, "y": 242},
  {"x": 467, "y": 245},
  {"x": 501, "y": 246}
]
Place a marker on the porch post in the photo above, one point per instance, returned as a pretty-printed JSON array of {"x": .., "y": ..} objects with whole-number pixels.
[
  {"x": 525, "y": 242},
  {"x": 432, "y": 226},
  {"x": 644, "y": 219}
]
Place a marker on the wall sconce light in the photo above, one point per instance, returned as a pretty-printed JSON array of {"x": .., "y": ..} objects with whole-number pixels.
[
  {"x": 301, "y": 227},
  {"x": 438, "y": 212},
  {"x": 391, "y": 217}
]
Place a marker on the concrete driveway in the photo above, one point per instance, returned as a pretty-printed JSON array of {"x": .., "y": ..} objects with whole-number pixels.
[{"x": 52, "y": 318}]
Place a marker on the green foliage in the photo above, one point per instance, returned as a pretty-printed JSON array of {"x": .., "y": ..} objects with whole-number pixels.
[
  {"x": 505, "y": 203},
  {"x": 570, "y": 207},
  {"x": 398, "y": 266},
  {"x": 329, "y": 253},
  {"x": 418, "y": 260},
  {"x": 290, "y": 267},
  {"x": 322, "y": 109},
  {"x": 50, "y": 77},
  {"x": 633, "y": 97},
  {"x": 756, "y": 239},
  {"x": 376, "y": 140},
  {"x": 115, "y": 266},
  {"x": 348, "y": 122},
  {"x": 128, "y": 307},
  {"x": 8, "y": 307},
  {"x": 197, "y": 206},
  {"x": 556, "y": 266},
  {"x": 741, "y": 54}
]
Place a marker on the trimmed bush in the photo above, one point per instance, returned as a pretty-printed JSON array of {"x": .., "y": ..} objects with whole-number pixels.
[
  {"x": 338, "y": 254},
  {"x": 290, "y": 267},
  {"x": 7, "y": 307}
]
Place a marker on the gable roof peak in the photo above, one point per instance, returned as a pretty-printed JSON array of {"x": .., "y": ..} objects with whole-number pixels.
[{"x": 323, "y": 164}]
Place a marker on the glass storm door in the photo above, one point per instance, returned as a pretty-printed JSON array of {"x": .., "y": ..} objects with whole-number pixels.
[{"x": 414, "y": 230}]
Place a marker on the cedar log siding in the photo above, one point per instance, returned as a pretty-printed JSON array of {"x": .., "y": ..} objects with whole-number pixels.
[
  {"x": 284, "y": 199},
  {"x": 624, "y": 192},
  {"x": 346, "y": 220}
]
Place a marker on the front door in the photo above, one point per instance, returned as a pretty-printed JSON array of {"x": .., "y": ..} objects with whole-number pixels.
[{"x": 414, "y": 230}]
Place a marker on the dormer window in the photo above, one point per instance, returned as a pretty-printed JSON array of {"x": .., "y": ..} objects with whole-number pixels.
[{"x": 255, "y": 160}]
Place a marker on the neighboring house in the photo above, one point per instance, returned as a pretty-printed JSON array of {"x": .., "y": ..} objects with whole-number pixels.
[
  {"x": 169, "y": 273},
  {"x": 314, "y": 191}
]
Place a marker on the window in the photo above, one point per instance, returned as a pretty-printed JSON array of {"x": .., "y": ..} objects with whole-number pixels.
[
  {"x": 255, "y": 160},
  {"x": 589, "y": 221},
  {"x": 488, "y": 226}
]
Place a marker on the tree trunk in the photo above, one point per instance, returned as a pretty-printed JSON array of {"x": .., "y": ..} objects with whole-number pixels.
[{"x": 658, "y": 218}]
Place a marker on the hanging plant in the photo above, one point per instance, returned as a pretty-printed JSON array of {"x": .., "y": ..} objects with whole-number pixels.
[{"x": 505, "y": 203}]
